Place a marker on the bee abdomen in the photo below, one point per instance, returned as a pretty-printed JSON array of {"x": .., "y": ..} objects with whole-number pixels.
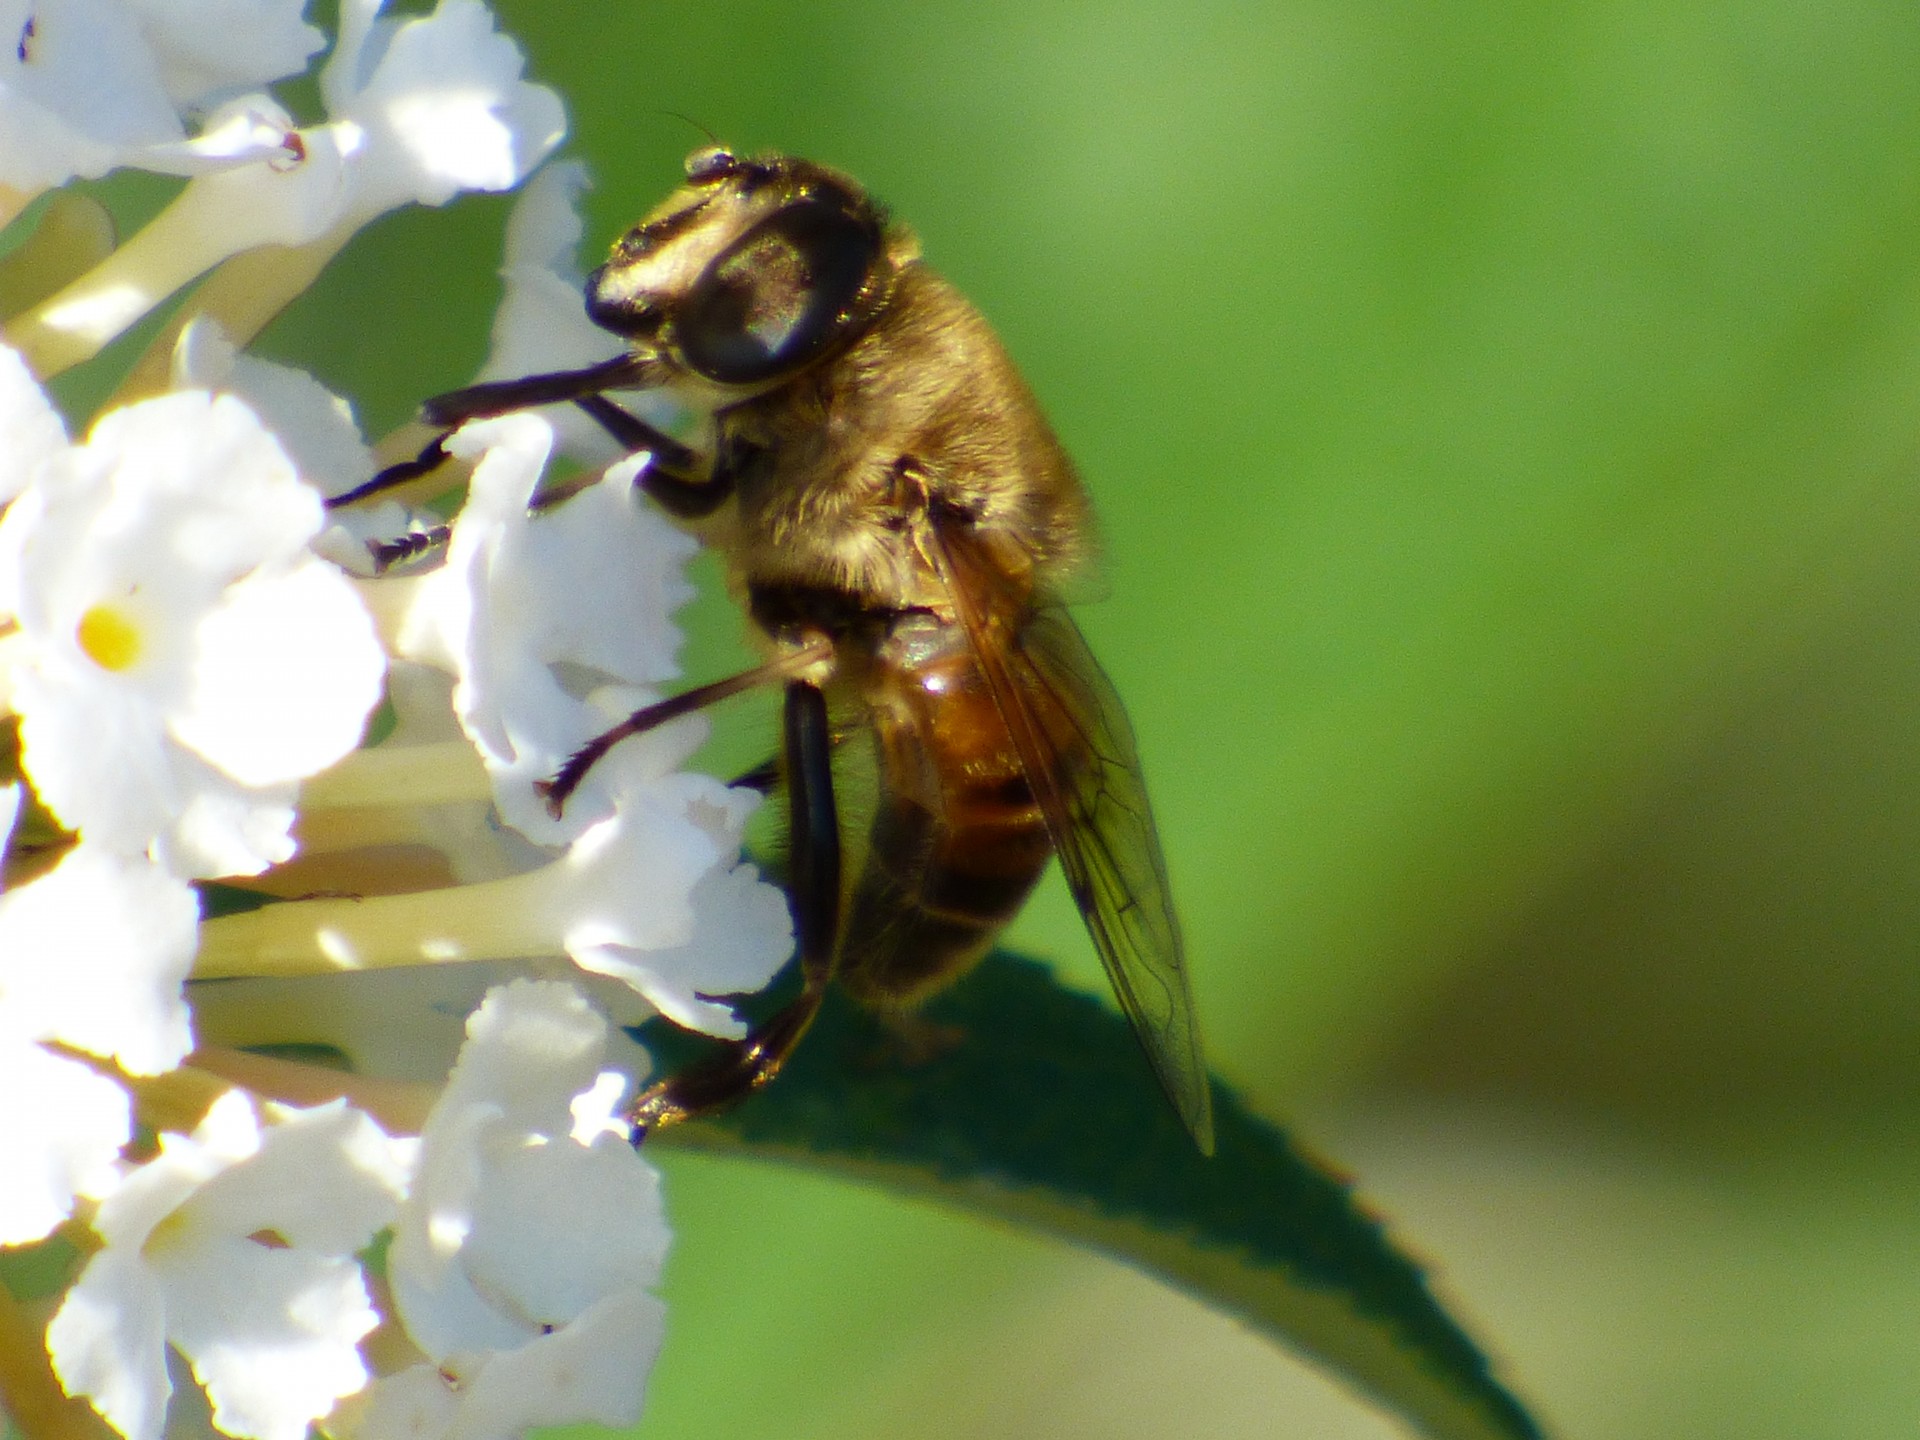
[{"x": 958, "y": 841}]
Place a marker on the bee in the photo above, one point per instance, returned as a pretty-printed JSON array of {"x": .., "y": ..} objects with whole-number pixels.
[{"x": 898, "y": 517}]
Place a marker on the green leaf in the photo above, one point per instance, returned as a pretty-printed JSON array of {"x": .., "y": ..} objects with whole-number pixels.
[{"x": 1044, "y": 1113}]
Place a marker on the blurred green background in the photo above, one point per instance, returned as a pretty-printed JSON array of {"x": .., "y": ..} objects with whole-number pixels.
[{"x": 1505, "y": 423}]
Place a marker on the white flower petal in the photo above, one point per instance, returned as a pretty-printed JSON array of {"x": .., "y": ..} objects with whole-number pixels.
[
  {"x": 108, "y": 1343},
  {"x": 367, "y": 1170},
  {"x": 214, "y": 47},
  {"x": 416, "y": 1404},
  {"x": 647, "y": 904},
  {"x": 79, "y": 85},
  {"x": 315, "y": 426},
  {"x": 516, "y": 1239},
  {"x": 531, "y": 1047},
  {"x": 245, "y": 130},
  {"x": 613, "y": 1239},
  {"x": 96, "y": 952},
  {"x": 273, "y": 1334},
  {"x": 287, "y": 669},
  {"x": 445, "y": 110},
  {"x": 594, "y": 1369},
  {"x": 542, "y": 323},
  {"x": 30, "y": 427},
  {"x": 744, "y": 935},
  {"x": 64, "y": 1143}
]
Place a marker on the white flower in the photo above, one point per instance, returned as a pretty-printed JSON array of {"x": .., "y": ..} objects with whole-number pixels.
[
  {"x": 650, "y": 896},
  {"x": 316, "y": 428},
  {"x": 65, "y": 1143},
  {"x": 181, "y": 659},
  {"x": 208, "y": 50},
  {"x": 523, "y": 1257},
  {"x": 654, "y": 899},
  {"x": 92, "y": 955},
  {"x": 418, "y": 110},
  {"x": 87, "y": 85},
  {"x": 429, "y": 106},
  {"x": 533, "y": 611},
  {"x": 31, "y": 430},
  {"x": 313, "y": 425},
  {"x": 235, "y": 1247}
]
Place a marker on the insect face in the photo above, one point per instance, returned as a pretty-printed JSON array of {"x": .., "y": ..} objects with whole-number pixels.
[{"x": 750, "y": 272}]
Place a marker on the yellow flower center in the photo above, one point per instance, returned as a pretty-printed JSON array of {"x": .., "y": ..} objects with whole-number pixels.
[{"x": 109, "y": 637}]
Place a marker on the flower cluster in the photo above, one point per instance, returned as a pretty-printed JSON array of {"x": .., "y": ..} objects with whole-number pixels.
[{"x": 296, "y": 970}]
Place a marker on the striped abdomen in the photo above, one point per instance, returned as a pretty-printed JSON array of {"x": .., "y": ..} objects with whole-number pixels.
[{"x": 958, "y": 840}]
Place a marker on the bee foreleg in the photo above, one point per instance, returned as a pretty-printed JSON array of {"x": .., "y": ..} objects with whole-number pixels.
[
  {"x": 672, "y": 476},
  {"x": 814, "y": 877},
  {"x": 389, "y": 553},
  {"x": 498, "y": 397}
]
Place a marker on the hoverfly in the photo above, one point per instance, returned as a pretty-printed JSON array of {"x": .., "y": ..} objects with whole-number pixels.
[{"x": 896, "y": 514}]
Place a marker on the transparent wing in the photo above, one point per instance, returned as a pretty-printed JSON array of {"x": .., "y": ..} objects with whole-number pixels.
[{"x": 1078, "y": 751}]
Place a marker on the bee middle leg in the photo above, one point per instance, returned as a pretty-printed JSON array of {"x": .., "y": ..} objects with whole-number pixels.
[
  {"x": 814, "y": 880},
  {"x": 557, "y": 790}
]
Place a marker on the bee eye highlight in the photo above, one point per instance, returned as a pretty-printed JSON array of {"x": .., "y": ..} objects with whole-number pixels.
[
  {"x": 779, "y": 295},
  {"x": 710, "y": 164}
]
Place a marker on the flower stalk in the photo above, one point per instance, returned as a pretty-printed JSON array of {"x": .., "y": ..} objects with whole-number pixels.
[{"x": 493, "y": 920}]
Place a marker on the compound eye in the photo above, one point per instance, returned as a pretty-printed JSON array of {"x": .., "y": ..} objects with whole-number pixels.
[{"x": 779, "y": 295}]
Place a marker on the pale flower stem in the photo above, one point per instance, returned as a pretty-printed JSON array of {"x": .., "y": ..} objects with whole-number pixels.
[
  {"x": 178, "y": 1100},
  {"x": 174, "y": 248},
  {"x": 388, "y": 599},
  {"x": 400, "y": 1107},
  {"x": 242, "y": 295},
  {"x": 341, "y": 832},
  {"x": 400, "y": 775},
  {"x": 72, "y": 235},
  {"x": 502, "y": 919},
  {"x": 30, "y": 1395},
  {"x": 74, "y": 324}
]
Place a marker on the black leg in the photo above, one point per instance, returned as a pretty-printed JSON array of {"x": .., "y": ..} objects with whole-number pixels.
[
  {"x": 815, "y": 896},
  {"x": 431, "y": 457},
  {"x": 767, "y": 776},
  {"x": 499, "y": 397},
  {"x": 764, "y": 777},
  {"x": 631, "y": 433},
  {"x": 650, "y": 717},
  {"x": 814, "y": 829},
  {"x": 388, "y": 553},
  {"x": 673, "y": 476}
]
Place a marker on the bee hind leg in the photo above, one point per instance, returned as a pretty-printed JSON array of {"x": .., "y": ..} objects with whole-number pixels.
[
  {"x": 814, "y": 880},
  {"x": 767, "y": 776}
]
